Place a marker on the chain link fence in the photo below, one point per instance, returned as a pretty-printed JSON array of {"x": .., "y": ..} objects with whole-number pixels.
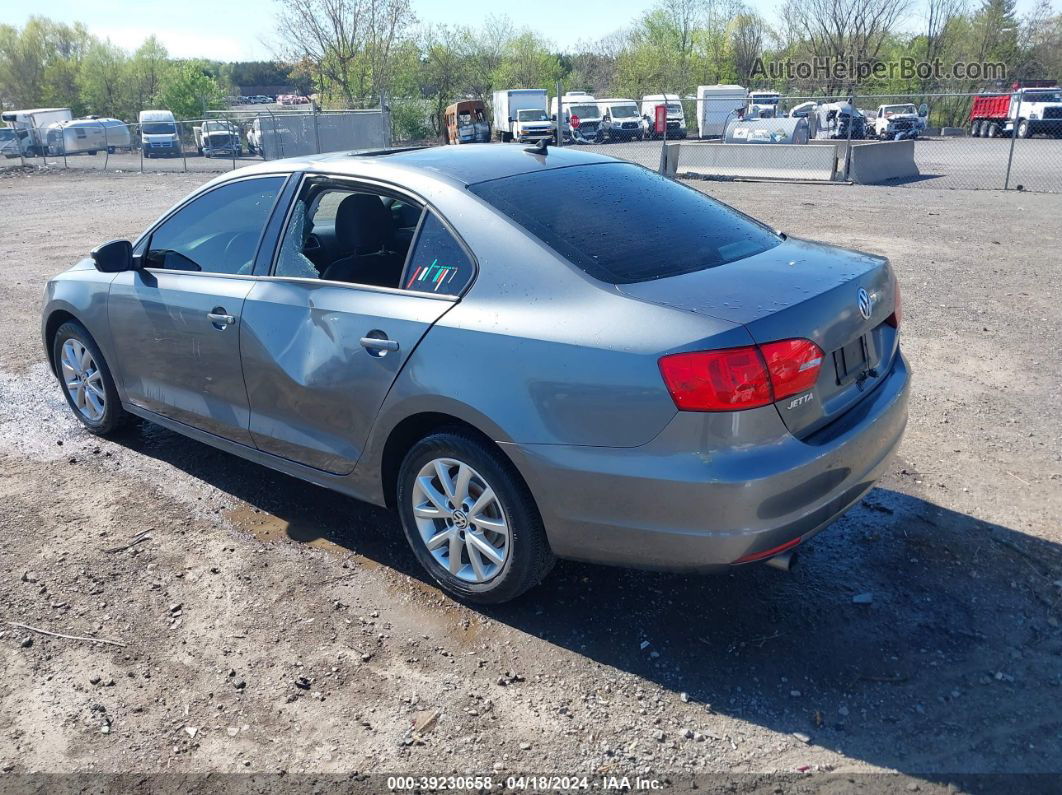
[
  {"x": 223, "y": 141},
  {"x": 931, "y": 140},
  {"x": 939, "y": 143}
]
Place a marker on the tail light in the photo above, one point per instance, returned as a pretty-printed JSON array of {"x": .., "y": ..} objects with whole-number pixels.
[
  {"x": 793, "y": 364},
  {"x": 726, "y": 380},
  {"x": 735, "y": 379}
]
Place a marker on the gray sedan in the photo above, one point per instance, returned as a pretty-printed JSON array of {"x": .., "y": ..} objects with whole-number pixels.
[{"x": 527, "y": 355}]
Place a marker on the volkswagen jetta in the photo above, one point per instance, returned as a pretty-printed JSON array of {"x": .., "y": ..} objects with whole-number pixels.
[{"x": 528, "y": 355}]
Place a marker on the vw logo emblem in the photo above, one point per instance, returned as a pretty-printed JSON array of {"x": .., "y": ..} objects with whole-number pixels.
[
  {"x": 460, "y": 519},
  {"x": 863, "y": 299}
]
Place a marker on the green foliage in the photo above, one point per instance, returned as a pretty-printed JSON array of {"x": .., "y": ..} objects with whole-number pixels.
[
  {"x": 186, "y": 89},
  {"x": 673, "y": 47}
]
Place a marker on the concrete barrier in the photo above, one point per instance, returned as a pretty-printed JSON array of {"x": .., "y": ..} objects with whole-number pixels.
[
  {"x": 871, "y": 163},
  {"x": 953, "y": 132},
  {"x": 758, "y": 161},
  {"x": 672, "y": 161}
]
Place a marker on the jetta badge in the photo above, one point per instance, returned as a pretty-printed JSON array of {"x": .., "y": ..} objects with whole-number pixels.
[{"x": 863, "y": 299}]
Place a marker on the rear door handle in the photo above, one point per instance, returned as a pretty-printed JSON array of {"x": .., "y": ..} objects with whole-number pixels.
[{"x": 377, "y": 344}]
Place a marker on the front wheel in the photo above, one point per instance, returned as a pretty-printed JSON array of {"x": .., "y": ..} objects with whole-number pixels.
[
  {"x": 1023, "y": 129},
  {"x": 87, "y": 383},
  {"x": 470, "y": 519}
]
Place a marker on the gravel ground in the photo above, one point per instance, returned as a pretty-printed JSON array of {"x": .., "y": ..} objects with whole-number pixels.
[{"x": 269, "y": 625}]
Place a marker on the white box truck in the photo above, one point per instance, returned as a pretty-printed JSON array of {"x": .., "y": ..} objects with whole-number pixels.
[
  {"x": 676, "y": 116},
  {"x": 32, "y": 125},
  {"x": 158, "y": 133},
  {"x": 520, "y": 115},
  {"x": 717, "y": 106}
]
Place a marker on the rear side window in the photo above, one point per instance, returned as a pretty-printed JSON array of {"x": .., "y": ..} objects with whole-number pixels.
[
  {"x": 622, "y": 223},
  {"x": 439, "y": 263}
]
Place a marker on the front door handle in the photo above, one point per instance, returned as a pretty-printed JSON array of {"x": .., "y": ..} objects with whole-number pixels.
[
  {"x": 379, "y": 344},
  {"x": 220, "y": 318}
]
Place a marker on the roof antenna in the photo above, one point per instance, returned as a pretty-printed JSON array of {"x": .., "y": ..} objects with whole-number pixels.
[{"x": 540, "y": 148}]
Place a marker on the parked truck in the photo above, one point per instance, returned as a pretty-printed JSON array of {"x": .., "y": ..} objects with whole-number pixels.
[
  {"x": 218, "y": 138},
  {"x": 1033, "y": 108},
  {"x": 676, "y": 116},
  {"x": 897, "y": 121},
  {"x": 520, "y": 115},
  {"x": 583, "y": 107},
  {"x": 763, "y": 105},
  {"x": 717, "y": 106},
  {"x": 32, "y": 126},
  {"x": 620, "y": 119}
]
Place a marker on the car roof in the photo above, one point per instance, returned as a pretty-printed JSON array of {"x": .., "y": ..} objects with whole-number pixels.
[{"x": 466, "y": 164}]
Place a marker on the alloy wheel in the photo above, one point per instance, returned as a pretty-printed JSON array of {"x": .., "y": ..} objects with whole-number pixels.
[
  {"x": 460, "y": 520},
  {"x": 83, "y": 380}
]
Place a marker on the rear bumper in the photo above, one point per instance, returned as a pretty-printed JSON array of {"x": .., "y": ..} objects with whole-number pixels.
[{"x": 748, "y": 485}]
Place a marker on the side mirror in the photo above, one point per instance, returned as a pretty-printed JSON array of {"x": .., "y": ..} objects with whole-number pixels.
[
  {"x": 511, "y": 120},
  {"x": 113, "y": 257},
  {"x": 553, "y": 117},
  {"x": 923, "y": 110}
]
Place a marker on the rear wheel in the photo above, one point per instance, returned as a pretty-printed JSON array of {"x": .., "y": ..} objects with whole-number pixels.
[
  {"x": 975, "y": 129},
  {"x": 86, "y": 379},
  {"x": 470, "y": 519},
  {"x": 993, "y": 130}
]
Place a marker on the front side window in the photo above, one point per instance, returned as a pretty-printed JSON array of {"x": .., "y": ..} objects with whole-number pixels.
[
  {"x": 439, "y": 264},
  {"x": 344, "y": 233},
  {"x": 217, "y": 232},
  {"x": 622, "y": 223}
]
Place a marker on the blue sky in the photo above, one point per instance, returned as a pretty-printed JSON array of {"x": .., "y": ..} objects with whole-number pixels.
[{"x": 236, "y": 31}]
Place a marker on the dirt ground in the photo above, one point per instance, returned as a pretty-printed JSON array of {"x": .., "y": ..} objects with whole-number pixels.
[{"x": 269, "y": 625}]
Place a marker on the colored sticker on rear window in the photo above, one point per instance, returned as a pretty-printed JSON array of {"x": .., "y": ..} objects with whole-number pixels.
[
  {"x": 445, "y": 268},
  {"x": 432, "y": 277}
]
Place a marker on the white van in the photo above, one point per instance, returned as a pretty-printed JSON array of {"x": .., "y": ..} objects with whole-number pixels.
[
  {"x": 620, "y": 119},
  {"x": 676, "y": 116},
  {"x": 158, "y": 133},
  {"x": 717, "y": 106},
  {"x": 581, "y": 105}
]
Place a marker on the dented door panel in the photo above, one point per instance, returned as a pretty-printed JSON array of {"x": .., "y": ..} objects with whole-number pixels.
[{"x": 314, "y": 387}]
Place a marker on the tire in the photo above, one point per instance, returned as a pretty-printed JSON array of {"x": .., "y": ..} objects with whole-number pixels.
[
  {"x": 523, "y": 551},
  {"x": 993, "y": 130},
  {"x": 975, "y": 129},
  {"x": 1023, "y": 129},
  {"x": 110, "y": 150},
  {"x": 95, "y": 401}
]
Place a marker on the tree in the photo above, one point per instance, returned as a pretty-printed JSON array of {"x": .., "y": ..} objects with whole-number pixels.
[
  {"x": 348, "y": 42},
  {"x": 843, "y": 30},
  {"x": 103, "y": 81},
  {"x": 748, "y": 32},
  {"x": 144, "y": 73},
  {"x": 187, "y": 90}
]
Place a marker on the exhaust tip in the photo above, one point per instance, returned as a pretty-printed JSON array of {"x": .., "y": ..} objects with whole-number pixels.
[{"x": 786, "y": 561}]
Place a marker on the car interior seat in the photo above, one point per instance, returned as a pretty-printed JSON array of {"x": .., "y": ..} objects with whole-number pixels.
[{"x": 364, "y": 234}]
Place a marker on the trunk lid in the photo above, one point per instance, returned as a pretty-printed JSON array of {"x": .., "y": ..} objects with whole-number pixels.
[{"x": 807, "y": 290}]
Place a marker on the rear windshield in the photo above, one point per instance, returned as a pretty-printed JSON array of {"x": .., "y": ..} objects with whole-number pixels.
[{"x": 622, "y": 223}]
